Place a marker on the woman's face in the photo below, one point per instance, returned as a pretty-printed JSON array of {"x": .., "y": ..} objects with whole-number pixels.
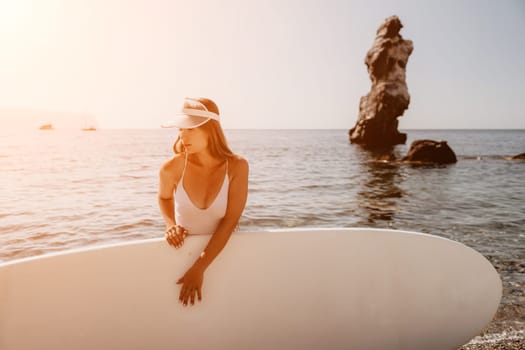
[{"x": 194, "y": 140}]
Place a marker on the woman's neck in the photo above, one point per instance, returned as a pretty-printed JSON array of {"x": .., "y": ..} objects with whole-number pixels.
[{"x": 204, "y": 159}]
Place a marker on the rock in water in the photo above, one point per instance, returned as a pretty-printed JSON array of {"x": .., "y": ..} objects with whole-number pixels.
[
  {"x": 388, "y": 97},
  {"x": 429, "y": 151},
  {"x": 520, "y": 156}
]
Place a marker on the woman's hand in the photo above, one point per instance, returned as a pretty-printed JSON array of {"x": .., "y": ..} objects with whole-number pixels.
[
  {"x": 191, "y": 286},
  {"x": 175, "y": 235}
]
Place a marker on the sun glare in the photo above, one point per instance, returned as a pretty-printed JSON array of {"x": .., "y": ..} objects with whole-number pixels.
[{"x": 14, "y": 16}]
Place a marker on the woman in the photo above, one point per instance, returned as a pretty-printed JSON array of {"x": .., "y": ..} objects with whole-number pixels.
[{"x": 203, "y": 188}]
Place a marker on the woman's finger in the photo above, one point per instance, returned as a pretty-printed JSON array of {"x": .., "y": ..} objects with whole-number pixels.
[
  {"x": 170, "y": 236},
  {"x": 174, "y": 239},
  {"x": 170, "y": 240},
  {"x": 183, "y": 292},
  {"x": 182, "y": 231},
  {"x": 184, "y": 296},
  {"x": 192, "y": 296},
  {"x": 180, "y": 240},
  {"x": 199, "y": 294}
]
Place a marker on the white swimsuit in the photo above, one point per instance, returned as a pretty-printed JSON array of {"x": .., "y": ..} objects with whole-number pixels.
[{"x": 194, "y": 219}]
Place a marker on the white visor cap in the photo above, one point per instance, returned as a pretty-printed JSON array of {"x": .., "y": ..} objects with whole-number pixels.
[{"x": 193, "y": 114}]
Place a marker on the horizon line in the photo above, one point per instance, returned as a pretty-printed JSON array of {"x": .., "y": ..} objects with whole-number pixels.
[{"x": 265, "y": 128}]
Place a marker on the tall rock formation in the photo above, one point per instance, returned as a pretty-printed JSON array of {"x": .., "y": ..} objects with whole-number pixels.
[{"x": 388, "y": 98}]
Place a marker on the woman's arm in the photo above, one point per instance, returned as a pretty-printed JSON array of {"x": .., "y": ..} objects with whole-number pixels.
[
  {"x": 174, "y": 233},
  {"x": 165, "y": 196},
  {"x": 237, "y": 196}
]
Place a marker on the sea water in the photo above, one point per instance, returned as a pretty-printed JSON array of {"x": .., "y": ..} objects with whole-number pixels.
[{"x": 63, "y": 189}]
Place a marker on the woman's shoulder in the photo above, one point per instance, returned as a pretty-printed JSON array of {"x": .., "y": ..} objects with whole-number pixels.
[
  {"x": 173, "y": 166},
  {"x": 238, "y": 164}
]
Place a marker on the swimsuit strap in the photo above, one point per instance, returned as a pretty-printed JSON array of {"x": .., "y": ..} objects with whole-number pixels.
[{"x": 185, "y": 163}]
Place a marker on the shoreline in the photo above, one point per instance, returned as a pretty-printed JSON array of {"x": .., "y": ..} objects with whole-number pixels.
[{"x": 505, "y": 332}]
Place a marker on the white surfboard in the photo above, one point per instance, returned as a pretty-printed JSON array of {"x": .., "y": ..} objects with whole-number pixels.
[{"x": 298, "y": 289}]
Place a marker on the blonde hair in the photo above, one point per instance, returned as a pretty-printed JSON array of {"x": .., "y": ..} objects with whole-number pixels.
[{"x": 217, "y": 141}]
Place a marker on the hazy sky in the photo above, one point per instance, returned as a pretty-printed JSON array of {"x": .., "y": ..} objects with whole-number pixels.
[{"x": 267, "y": 63}]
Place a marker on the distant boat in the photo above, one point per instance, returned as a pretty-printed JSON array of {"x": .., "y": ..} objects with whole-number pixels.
[
  {"x": 89, "y": 123},
  {"x": 46, "y": 127}
]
